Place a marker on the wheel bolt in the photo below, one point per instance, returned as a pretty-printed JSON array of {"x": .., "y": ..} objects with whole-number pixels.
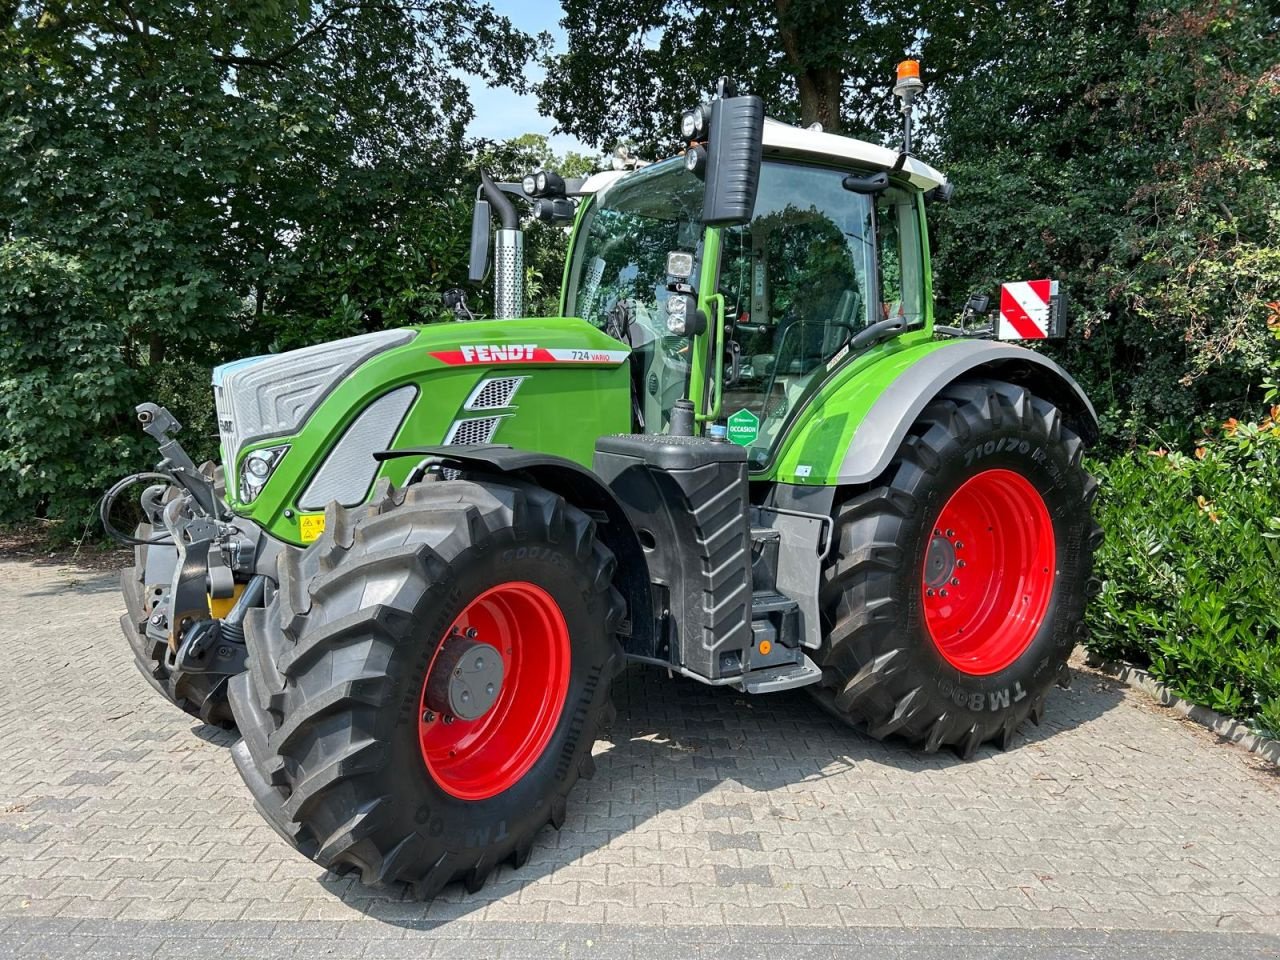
[
  {"x": 448, "y": 719},
  {"x": 950, "y": 534},
  {"x": 428, "y": 716},
  {"x": 942, "y": 593},
  {"x": 472, "y": 633},
  {"x": 955, "y": 581},
  {"x": 929, "y": 592},
  {"x": 959, "y": 545},
  {"x": 960, "y": 564}
]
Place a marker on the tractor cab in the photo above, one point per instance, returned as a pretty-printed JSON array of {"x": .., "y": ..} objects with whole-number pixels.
[
  {"x": 789, "y": 289},
  {"x": 738, "y": 303}
]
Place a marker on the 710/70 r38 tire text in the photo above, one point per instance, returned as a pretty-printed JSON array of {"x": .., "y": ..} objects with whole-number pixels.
[
  {"x": 960, "y": 578},
  {"x": 426, "y": 686}
]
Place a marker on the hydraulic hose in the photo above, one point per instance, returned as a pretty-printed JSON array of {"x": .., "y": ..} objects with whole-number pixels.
[{"x": 108, "y": 501}]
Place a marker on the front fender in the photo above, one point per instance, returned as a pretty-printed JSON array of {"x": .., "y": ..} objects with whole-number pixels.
[
  {"x": 852, "y": 435},
  {"x": 586, "y": 491}
]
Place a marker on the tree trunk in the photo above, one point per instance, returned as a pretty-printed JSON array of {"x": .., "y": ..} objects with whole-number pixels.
[{"x": 820, "y": 83}]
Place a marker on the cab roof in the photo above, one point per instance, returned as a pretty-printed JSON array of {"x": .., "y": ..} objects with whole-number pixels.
[{"x": 783, "y": 140}]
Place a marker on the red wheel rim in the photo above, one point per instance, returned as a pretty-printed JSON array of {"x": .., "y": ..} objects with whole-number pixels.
[
  {"x": 988, "y": 572},
  {"x": 477, "y": 759}
]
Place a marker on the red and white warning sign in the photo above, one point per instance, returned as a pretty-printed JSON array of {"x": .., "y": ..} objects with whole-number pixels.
[{"x": 1024, "y": 309}]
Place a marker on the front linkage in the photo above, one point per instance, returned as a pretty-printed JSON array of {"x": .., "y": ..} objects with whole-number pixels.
[{"x": 191, "y": 560}]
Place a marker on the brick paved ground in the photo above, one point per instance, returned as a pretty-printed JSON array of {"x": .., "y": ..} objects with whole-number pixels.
[{"x": 717, "y": 826}]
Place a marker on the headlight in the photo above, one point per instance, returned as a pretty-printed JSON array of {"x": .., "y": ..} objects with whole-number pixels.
[
  {"x": 257, "y": 469},
  {"x": 540, "y": 182},
  {"x": 683, "y": 318},
  {"x": 529, "y": 184},
  {"x": 693, "y": 123}
]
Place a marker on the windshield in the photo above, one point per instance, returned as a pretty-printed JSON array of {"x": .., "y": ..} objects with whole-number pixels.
[{"x": 618, "y": 278}]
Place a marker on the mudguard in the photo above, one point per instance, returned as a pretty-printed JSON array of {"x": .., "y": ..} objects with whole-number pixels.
[
  {"x": 886, "y": 424},
  {"x": 848, "y": 432},
  {"x": 587, "y": 492}
]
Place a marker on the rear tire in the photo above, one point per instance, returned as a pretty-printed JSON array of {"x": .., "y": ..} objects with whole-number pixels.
[
  {"x": 998, "y": 461},
  {"x": 337, "y": 747}
]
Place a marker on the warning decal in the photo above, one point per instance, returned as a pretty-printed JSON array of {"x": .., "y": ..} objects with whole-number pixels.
[{"x": 1024, "y": 309}]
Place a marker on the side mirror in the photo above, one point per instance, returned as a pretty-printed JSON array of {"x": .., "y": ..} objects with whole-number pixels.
[
  {"x": 940, "y": 194},
  {"x": 479, "y": 242},
  {"x": 875, "y": 183},
  {"x": 735, "y": 147}
]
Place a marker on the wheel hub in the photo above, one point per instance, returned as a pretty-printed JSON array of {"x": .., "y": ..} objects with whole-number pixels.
[
  {"x": 939, "y": 562},
  {"x": 466, "y": 678},
  {"x": 494, "y": 690}
]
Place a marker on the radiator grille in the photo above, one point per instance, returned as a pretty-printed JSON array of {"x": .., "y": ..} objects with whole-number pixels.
[
  {"x": 478, "y": 430},
  {"x": 494, "y": 393}
]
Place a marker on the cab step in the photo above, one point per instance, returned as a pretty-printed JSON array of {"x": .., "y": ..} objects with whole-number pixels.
[{"x": 785, "y": 677}]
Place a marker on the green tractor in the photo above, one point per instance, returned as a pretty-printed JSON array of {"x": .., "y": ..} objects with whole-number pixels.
[{"x": 743, "y": 454}]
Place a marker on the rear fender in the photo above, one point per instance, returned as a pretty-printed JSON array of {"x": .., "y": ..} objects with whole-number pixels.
[
  {"x": 852, "y": 434},
  {"x": 586, "y": 491},
  {"x": 886, "y": 424}
]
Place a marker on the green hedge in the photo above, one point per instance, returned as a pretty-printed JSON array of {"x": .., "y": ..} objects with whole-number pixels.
[{"x": 1191, "y": 568}]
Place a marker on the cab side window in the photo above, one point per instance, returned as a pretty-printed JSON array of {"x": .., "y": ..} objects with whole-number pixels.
[{"x": 898, "y": 242}]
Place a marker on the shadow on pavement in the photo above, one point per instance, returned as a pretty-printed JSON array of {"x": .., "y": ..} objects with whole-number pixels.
[{"x": 676, "y": 742}]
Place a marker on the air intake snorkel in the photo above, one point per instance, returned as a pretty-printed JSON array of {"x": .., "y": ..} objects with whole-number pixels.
[{"x": 508, "y": 249}]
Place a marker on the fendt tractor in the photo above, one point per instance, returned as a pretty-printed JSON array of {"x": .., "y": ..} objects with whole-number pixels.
[{"x": 743, "y": 454}]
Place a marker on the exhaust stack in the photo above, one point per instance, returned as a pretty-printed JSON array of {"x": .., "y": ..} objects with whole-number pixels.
[{"x": 508, "y": 252}]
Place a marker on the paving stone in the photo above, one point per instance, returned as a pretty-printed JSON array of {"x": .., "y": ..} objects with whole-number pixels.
[
  {"x": 731, "y": 841},
  {"x": 717, "y": 825}
]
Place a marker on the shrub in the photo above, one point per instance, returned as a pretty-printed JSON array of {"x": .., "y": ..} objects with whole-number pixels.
[{"x": 1190, "y": 568}]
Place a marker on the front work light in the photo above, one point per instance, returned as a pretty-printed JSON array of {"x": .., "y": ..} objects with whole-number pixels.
[
  {"x": 683, "y": 317},
  {"x": 695, "y": 159},
  {"x": 693, "y": 124},
  {"x": 546, "y": 184},
  {"x": 554, "y": 209}
]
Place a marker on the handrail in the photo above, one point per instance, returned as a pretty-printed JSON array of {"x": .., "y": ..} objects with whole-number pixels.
[{"x": 717, "y": 383}]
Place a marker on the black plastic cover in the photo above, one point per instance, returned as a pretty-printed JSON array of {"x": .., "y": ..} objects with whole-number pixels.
[
  {"x": 686, "y": 498},
  {"x": 735, "y": 147},
  {"x": 479, "y": 264}
]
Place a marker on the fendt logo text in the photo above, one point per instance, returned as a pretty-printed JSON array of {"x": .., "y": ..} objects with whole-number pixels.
[
  {"x": 526, "y": 353},
  {"x": 497, "y": 352}
]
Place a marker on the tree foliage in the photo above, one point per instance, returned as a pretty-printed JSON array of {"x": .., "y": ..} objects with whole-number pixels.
[
  {"x": 1125, "y": 147},
  {"x": 184, "y": 183},
  {"x": 631, "y": 69},
  {"x": 1129, "y": 149}
]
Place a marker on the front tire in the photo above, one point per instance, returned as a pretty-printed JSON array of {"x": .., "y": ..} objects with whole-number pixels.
[
  {"x": 201, "y": 695},
  {"x": 961, "y": 576},
  {"x": 352, "y": 746}
]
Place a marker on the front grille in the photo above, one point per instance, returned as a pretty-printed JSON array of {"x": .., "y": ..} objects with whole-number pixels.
[{"x": 479, "y": 430}]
